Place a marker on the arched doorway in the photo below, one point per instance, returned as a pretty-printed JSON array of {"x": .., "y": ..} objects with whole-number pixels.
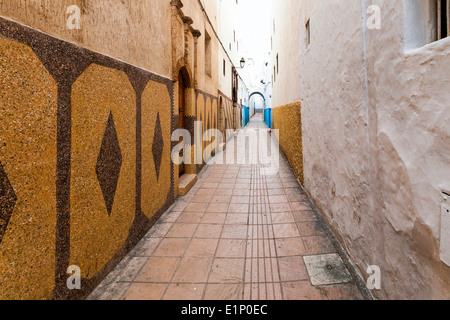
[{"x": 182, "y": 114}]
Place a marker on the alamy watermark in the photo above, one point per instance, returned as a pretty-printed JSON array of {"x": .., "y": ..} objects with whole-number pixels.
[
  {"x": 252, "y": 147},
  {"x": 74, "y": 19},
  {"x": 74, "y": 279},
  {"x": 374, "y": 17},
  {"x": 374, "y": 280}
]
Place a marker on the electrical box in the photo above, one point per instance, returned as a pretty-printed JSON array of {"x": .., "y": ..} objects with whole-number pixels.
[{"x": 445, "y": 228}]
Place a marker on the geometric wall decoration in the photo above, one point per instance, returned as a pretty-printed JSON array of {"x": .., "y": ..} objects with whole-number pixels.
[
  {"x": 109, "y": 163},
  {"x": 7, "y": 201},
  {"x": 103, "y": 173},
  {"x": 156, "y": 147},
  {"x": 85, "y": 144},
  {"x": 28, "y": 126}
]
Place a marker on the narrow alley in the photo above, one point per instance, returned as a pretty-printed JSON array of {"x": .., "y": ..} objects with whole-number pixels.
[
  {"x": 238, "y": 234},
  {"x": 225, "y": 150}
]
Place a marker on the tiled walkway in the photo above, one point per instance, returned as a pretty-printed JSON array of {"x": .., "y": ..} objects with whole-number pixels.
[{"x": 237, "y": 235}]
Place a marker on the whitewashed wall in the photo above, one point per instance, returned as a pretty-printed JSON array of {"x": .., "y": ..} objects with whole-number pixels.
[{"x": 376, "y": 139}]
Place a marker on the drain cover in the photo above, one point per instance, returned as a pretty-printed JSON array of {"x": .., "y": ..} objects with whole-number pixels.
[{"x": 326, "y": 269}]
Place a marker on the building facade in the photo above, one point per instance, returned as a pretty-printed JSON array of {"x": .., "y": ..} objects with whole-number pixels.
[
  {"x": 370, "y": 82},
  {"x": 91, "y": 92}
]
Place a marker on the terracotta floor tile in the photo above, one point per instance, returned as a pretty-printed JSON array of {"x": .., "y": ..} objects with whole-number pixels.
[
  {"x": 231, "y": 248},
  {"x": 172, "y": 217},
  {"x": 112, "y": 292},
  {"x": 285, "y": 230},
  {"x": 288, "y": 247},
  {"x": 224, "y": 192},
  {"x": 202, "y": 198},
  {"x": 304, "y": 216},
  {"x": 226, "y": 186},
  {"x": 158, "y": 270},
  {"x": 201, "y": 192},
  {"x": 278, "y": 199},
  {"x": 209, "y": 185},
  {"x": 238, "y": 208},
  {"x": 242, "y": 186},
  {"x": 280, "y": 207},
  {"x": 193, "y": 270},
  {"x": 227, "y": 271},
  {"x": 160, "y": 230},
  {"x": 145, "y": 291},
  {"x": 277, "y": 192},
  {"x": 129, "y": 273},
  {"x": 292, "y": 269},
  {"x": 202, "y": 248},
  {"x": 340, "y": 292},
  {"x": 182, "y": 230},
  {"x": 240, "y": 199},
  {"x": 237, "y": 219},
  {"x": 227, "y": 292},
  {"x": 172, "y": 247},
  {"x": 318, "y": 245},
  {"x": 208, "y": 231},
  {"x": 221, "y": 199},
  {"x": 241, "y": 192},
  {"x": 191, "y": 217},
  {"x": 300, "y": 206},
  {"x": 196, "y": 207},
  {"x": 218, "y": 208},
  {"x": 300, "y": 290},
  {"x": 184, "y": 291},
  {"x": 234, "y": 232},
  {"x": 214, "y": 218},
  {"x": 282, "y": 218},
  {"x": 146, "y": 247},
  {"x": 310, "y": 229},
  {"x": 300, "y": 197}
]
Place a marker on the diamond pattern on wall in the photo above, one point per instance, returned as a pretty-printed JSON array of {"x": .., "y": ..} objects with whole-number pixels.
[
  {"x": 109, "y": 164},
  {"x": 158, "y": 146},
  {"x": 8, "y": 201}
]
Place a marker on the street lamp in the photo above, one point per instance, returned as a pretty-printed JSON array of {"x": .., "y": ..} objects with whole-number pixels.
[{"x": 242, "y": 63}]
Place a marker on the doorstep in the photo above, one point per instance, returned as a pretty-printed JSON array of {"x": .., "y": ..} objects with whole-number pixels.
[{"x": 187, "y": 181}]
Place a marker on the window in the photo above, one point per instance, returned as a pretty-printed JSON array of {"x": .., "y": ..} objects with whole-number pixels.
[
  {"x": 308, "y": 33},
  {"x": 278, "y": 66},
  {"x": 224, "y": 68},
  {"x": 443, "y": 21},
  {"x": 208, "y": 67},
  {"x": 274, "y": 75},
  {"x": 426, "y": 21}
]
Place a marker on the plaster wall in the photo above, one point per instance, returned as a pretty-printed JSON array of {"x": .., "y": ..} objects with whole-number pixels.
[
  {"x": 375, "y": 134},
  {"x": 137, "y": 32},
  {"x": 288, "y": 41}
]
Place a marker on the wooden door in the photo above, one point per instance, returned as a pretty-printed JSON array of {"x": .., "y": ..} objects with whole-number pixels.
[{"x": 182, "y": 112}]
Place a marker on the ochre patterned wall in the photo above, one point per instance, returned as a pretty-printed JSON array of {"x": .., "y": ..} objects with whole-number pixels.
[
  {"x": 207, "y": 113},
  {"x": 85, "y": 166},
  {"x": 287, "y": 119},
  {"x": 228, "y": 114},
  {"x": 28, "y": 112}
]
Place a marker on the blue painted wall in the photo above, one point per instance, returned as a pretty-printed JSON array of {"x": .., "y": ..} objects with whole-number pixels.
[{"x": 268, "y": 117}]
